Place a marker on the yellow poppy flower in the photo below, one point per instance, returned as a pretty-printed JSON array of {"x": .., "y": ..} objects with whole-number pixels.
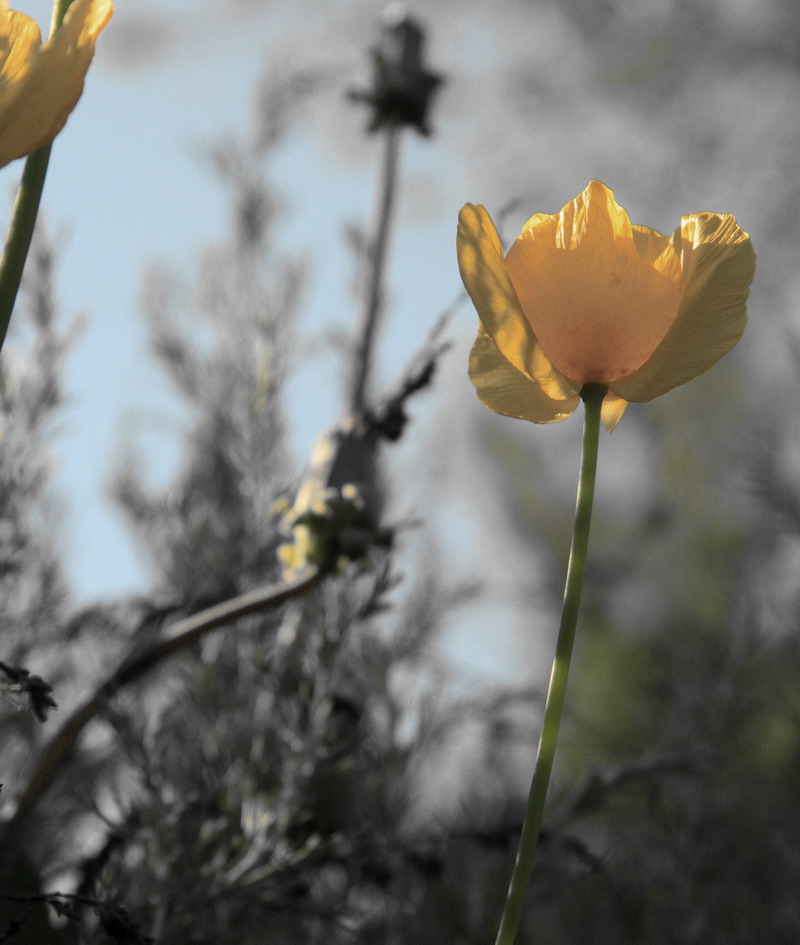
[
  {"x": 583, "y": 296},
  {"x": 41, "y": 84}
]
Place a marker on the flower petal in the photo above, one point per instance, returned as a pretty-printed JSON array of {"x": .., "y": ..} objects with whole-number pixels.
[
  {"x": 718, "y": 265},
  {"x": 504, "y": 389},
  {"x": 19, "y": 39},
  {"x": 580, "y": 277},
  {"x": 483, "y": 271},
  {"x": 657, "y": 251},
  {"x": 612, "y": 409},
  {"x": 42, "y": 85}
]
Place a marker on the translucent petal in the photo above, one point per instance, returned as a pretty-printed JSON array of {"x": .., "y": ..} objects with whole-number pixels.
[
  {"x": 535, "y": 220},
  {"x": 504, "y": 389},
  {"x": 19, "y": 39},
  {"x": 657, "y": 250},
  {"x": 42, "y": 85},
  {"x": 596, "y": 292},
  {"x": 483, "y": 271},
  {"x": 5, "y": 27},
  {"x": 718, "y": 265},
  {"x": 612, "y": 409}
]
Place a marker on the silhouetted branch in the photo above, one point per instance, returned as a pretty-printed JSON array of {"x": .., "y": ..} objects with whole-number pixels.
[
  {"x": 37, "y": 690},
  {"x": 400, "y": 96},
  {"x": 114, "y": 920},
  {"x": 368, "y": 318},
  {"x": 388, "y": 419}
]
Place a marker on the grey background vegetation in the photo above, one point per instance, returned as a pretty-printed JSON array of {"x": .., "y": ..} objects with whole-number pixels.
[{"x": 353, "y": 766}]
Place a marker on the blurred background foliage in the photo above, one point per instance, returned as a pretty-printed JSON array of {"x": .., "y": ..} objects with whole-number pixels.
[{"x": 342, "y": 769}]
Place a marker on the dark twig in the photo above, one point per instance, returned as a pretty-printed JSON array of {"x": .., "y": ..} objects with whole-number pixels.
[
  {"x": 399, "y": 96},
  {"x": 114, "y": 920},
  {"x": 37, "y": 690},
  {"x": 388, "y": 419},
  {"x": 366, "y": 329}
]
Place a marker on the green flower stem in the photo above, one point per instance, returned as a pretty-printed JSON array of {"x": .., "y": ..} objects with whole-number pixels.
[
  {"x": 20, "y": 233},
  {"x": 592, "y": 395},
  {"x": 26, "y": 209},
  {"x": 60, "y": 8}
]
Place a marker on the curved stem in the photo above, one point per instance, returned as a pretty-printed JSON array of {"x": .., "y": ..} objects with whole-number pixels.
[{"x": 592, "y": 395}]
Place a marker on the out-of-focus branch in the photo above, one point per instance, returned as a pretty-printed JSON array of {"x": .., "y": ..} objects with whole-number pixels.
[
  {"x": 368, "y": 319},
  {"x": 342, "y": 472},
  {"x": 388, "y": 418},
  {"x": 19, "y": 681},
  {"x": 399, "y": 96},
  {"x": 113, "y": 919},
  {"x": 343, "y": 467},
  {"x": 139, "y": 662}
]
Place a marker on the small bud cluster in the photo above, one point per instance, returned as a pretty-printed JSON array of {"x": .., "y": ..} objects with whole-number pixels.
[
  {"x": 334, "y": 529},
  {"x": 402, "y": 88}
]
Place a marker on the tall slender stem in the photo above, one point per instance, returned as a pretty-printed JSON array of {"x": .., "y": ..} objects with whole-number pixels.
[
  {"x": 26, "y": 209},
  {"x": 20, "y": 233},
  {"x": 369, "y": 316},
  {"x": 554, "y": 706}
]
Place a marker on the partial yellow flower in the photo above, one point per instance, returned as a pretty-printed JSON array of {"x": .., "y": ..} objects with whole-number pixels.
[
  {"x": 41, "y": 84},
  {"x": 585, "y": 297}
]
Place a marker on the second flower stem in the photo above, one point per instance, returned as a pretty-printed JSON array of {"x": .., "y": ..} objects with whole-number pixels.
[
  {"x": 26, "y": 209},
  {"x": 20, "y": 233},
  {"x": 592, "y": 395}
]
